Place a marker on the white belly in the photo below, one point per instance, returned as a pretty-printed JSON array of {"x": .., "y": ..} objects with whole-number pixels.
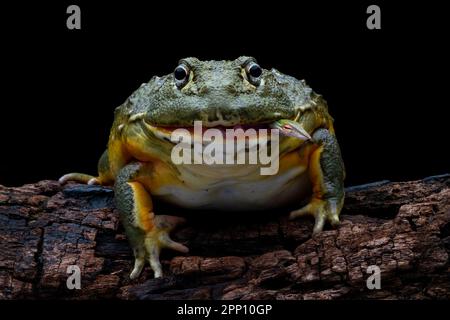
[{"x": 243, "y": 188}]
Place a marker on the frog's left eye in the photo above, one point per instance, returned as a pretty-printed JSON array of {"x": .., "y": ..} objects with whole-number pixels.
[
  {"x": 181, "y": 75},
  {"x": 254, "y": 72}
]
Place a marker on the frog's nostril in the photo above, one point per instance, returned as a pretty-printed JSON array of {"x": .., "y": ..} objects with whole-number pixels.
[
  {"x": 231, "y": 89},
  {"x": 203, "y": 90}
]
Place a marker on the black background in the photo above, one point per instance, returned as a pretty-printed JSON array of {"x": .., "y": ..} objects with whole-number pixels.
[
  {"x": 387, "y": 89},
  {"x": 128, "y": 309}
]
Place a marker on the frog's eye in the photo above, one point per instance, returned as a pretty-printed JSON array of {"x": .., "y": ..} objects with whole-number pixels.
[
  {"x": 181, "y": 75},
  {"x": 254, "y": 72}
]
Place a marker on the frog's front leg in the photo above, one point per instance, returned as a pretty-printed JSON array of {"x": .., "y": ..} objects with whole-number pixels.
[
  {"x": 146, "y": 232},
  {"x": 327, "y": 173}
]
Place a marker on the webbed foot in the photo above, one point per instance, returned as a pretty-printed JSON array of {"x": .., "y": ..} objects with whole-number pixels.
[
  {"x": 322, "y": 210},
  {"x": 157, "y": 239}
]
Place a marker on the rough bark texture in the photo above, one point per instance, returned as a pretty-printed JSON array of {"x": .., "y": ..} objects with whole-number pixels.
[{"x": 404, "y": 228}]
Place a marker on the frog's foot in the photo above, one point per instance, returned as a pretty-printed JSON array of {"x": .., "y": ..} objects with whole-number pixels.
[
  {"x": 79, "y": 177},
  {"x": 157, "y": 239},
  {"x": 104, "y": 175},
  {"x": 321, "y": 210}
]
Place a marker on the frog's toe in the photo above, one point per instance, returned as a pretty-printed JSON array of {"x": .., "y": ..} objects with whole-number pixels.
[
  {"x": 154, "y": 244},
  {"x": 94, "y": 181},
  {"x": 164, "y": 225},
  {"x": 138, "y": 266},
  {"x": 159, "y": 238},
  {"x": 78, "y": 177},
  {"x": 322, "y": 210},
  {"x": 153, "y": 250}
]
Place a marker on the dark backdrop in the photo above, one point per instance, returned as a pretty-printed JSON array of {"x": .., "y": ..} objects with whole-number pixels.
[{"x": 387, "y": 89}]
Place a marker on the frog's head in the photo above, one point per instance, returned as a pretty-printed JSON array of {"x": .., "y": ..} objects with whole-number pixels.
[{"x": 220, "y": 94}]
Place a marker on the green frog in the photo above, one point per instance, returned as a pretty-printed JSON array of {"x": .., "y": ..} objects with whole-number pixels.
[{"x": 222, "y": 95}]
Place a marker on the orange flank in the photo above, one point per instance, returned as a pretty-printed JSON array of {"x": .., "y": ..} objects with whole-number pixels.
[
  {"x": 143, "y": 210},
  {"x": 315, "y": 172}
]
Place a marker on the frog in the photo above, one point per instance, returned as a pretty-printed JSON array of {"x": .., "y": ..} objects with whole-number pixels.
[{"x": 221, "y": 94}]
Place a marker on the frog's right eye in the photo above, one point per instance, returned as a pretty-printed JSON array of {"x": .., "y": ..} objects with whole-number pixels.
[
  {"x": 254, "y": 72},
  {"x": 181, "y": 75}
]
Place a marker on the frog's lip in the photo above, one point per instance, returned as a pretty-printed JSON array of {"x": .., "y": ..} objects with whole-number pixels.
[
  {"x": 165, "y": 132},
  {"x": 218, "y": 127}
]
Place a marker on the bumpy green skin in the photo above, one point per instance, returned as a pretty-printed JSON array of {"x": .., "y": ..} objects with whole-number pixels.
[
  {"x": 125, "y": 203},
  {"x": 124, "y": 196},
  {"x": 218, "y": 89},
  {"x": 219, "y": 93},
  {"x": 332, "y": 167}
]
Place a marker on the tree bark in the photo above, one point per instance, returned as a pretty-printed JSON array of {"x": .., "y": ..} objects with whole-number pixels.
[{"x": 401, "y": 227}]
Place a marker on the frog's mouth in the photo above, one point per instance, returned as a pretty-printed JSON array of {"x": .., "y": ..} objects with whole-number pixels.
[
  {"x": 173, "y": 134},
  {"x": 228, "y": 132}
]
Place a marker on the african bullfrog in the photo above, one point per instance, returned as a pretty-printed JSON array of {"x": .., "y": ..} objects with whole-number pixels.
[{"x": 221, "y": 94}]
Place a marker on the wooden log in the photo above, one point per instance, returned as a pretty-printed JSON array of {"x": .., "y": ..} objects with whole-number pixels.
[{"x": 401, "y": 227}]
